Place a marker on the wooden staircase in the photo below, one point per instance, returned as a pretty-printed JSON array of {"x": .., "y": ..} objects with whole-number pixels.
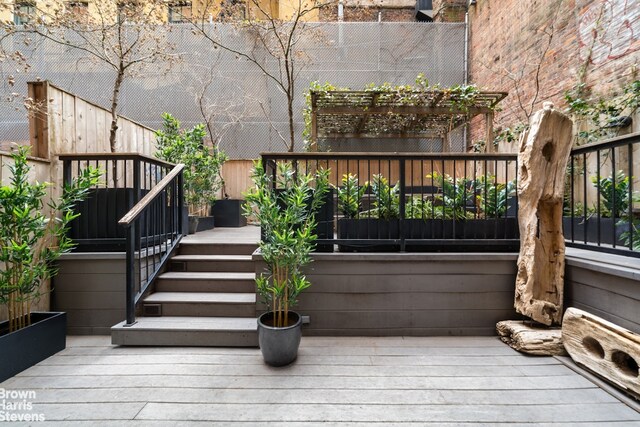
[{"x": 206, "y": 298}]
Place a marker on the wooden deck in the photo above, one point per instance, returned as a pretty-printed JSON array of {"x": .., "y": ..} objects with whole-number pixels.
[{"x": 391, "y": 381}]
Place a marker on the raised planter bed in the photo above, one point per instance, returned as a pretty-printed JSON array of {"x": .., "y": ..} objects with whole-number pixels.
[
  {"x": 490, "y": 232},
  {"x": 25, "y": 347},
  {"x": 586, "y": 229}
]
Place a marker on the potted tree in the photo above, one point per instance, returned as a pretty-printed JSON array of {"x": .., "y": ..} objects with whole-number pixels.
[
  {"x": 202, "y": 179},
  {"x": 31, "y": 239},
  {"x": 286, "y": 210}
]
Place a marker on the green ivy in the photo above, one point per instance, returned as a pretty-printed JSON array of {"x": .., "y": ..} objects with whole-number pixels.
[
  {"x": 603, "y": 115},
  {"x": 461, "y": 97}
]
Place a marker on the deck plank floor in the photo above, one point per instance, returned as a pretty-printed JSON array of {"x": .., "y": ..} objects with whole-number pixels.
[{"x": 391, "y": 381}]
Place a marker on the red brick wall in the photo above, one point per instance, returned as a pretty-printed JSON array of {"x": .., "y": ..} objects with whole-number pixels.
[
  {"x": 510, "y": 39},
  {"x": 449, "y": 10}
]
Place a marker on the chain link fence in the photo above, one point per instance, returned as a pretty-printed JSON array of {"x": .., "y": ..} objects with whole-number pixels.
[{"x": 245, "y": 108}]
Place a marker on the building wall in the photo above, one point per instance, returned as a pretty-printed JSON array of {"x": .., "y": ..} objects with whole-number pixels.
[
  {"x": 449, "y": 10},
  {"x": 370, "y": 10},
  {"x": 539, "y": 49}
]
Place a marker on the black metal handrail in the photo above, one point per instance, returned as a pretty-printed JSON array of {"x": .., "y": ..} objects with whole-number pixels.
[
  {"x": 602, "y": 205},
  {"x": 434, "y": 201},
  {"x": 154, "y": 229},
  {"x": 127, "y": 177}
]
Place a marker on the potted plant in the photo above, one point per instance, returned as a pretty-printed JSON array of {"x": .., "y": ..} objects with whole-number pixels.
[
  {"x": 286, "y": 210},
  {"x": 202, "y": 179},
  {"x": 31, "y": 239}
]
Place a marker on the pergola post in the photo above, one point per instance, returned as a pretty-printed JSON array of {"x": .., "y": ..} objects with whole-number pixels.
[{"x": 489, "y": 133}]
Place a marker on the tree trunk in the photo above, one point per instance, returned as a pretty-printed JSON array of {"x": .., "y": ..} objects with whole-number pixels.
[
  {"x": 544, "y": 151},
  {"x": 114, "y": 110},
  {"x": 291, "y": 130}
]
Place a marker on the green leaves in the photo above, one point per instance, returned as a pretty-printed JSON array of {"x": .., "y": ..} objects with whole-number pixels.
[
  {"x": 350, "y": 195},
  {"x": 203, "y": 164},
  {"x": 31, "y": 237},
  {"x": 286, "y": 211}
]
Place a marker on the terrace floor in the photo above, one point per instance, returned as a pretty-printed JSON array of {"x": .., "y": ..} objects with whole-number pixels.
[{"x": 391, "y": 381}]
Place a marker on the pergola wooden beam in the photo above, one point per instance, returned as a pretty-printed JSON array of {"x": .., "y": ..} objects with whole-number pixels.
[{"x": 431, "y": 113}]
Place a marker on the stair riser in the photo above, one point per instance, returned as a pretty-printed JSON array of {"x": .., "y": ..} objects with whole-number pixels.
[
  {"x": 217, "y": 249},
  {"x": 208, "y": 310},
  {"x": 170, "y": 285},
  {"x": 214, "y": 266},
  {"x": 186, "y": 338}
]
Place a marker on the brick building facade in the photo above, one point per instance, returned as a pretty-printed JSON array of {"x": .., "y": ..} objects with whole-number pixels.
[{"x": 536, "y": 50}]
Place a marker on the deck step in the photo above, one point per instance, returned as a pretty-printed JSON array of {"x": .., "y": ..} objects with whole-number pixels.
[
  {"x": 175, "y": 281},
  {"x": 220, "y": 304},
  {"x": 205, "y": 248},
  {"x": 215, "y": 263},
  {"x": 188, "y": 331}
]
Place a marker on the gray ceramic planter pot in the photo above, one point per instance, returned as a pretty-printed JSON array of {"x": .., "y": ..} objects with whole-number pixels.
[{"x": 279, "y": 346}]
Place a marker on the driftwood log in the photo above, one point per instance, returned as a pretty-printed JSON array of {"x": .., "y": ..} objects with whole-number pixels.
[
  {"x": 531, "y": 338},
  {"x": 544, "y": 152},
  {"x": 604, "y": 348}
]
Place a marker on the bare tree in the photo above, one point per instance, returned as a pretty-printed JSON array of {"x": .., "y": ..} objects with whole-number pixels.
[
  {"x": 126, "y": 36},
  {"x": 276, "y": 39}
]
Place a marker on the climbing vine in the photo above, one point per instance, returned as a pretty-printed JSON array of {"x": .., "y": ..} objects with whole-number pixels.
[{"x": 604, "y": 117}]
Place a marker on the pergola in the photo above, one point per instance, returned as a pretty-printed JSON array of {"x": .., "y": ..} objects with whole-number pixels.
[{"x": 398, "y": 114}]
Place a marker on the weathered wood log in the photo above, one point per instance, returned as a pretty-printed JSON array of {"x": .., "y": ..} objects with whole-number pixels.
[
  {"x": 531, "y": 338},
  {"x": 544, "y": 151},
  {"x": 604, "y": 348}
]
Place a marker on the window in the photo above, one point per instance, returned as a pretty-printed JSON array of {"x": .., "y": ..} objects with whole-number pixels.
[
  {"x": 179, "y": 12},
  {"x": 23, "y": 12},
  {"x": 79, "y": 9}
]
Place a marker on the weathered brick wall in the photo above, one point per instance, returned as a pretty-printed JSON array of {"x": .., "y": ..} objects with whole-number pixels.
[
  {"x": 449, "y": 10},
  {"x": 372, "y": 10},
  {"x": 543, "y": 47}
]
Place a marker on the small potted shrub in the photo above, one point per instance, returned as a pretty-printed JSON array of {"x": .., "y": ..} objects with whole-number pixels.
[
  {"x": 32, "y": 237},
  {"x": 287, "y": 215},
  {"x": 202, "y": 179}
]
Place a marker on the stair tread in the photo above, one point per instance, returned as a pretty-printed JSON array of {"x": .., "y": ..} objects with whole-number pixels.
[
  {"x": 211, "y": 258},
  {"x": 201, "y": 297},
  {"x": 177, "y": 323},
  {"x": 206, "y": 275}
]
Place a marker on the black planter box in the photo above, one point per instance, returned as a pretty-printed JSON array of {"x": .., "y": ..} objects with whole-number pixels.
[
  {"x": 324, "y": 219},
  {"x": 206, "y": 223},
  {"x": 368, "y": 229},
  {"x": 228, "y": 213},
  {"x": 25, "y": 347},
  {"x": 499, "y": 234},
  {"x": 582, "y": 225}
]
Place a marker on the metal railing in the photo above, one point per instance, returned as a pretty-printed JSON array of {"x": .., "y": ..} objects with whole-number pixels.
[
  {"x": 153, "y": 229},
  {"x": 127, "y": 177},
  {"x": 413, "y": 202},
  {"x": 602, "y": 203}
]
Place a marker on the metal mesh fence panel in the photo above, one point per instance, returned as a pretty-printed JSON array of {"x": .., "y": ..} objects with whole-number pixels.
[{"x": 247, "y": 110}]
